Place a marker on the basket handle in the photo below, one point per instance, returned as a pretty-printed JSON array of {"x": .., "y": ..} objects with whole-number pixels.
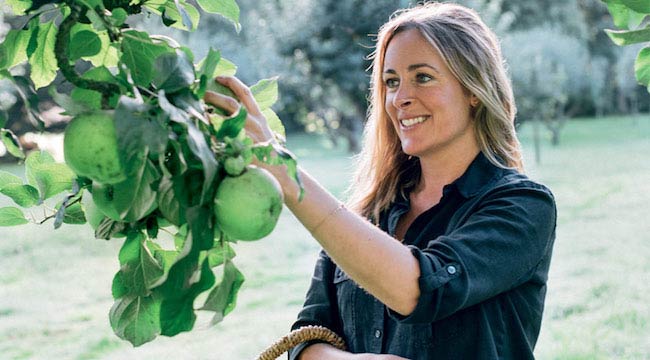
[{"x": 303, "y": 334}]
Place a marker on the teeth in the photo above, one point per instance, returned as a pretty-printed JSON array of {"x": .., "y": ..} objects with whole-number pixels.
[{"x": 411, "y": 122}]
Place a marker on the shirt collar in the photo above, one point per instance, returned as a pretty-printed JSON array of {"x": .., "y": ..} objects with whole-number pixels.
[{"x": 479, "y": 174}]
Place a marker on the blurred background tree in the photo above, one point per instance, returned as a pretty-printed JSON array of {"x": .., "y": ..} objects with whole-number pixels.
[{"x": 561, "y": 62}]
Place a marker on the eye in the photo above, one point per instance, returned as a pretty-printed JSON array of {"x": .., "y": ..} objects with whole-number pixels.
[
  {"x": 391, "y": 83},
  {"x": 422, "y": 78}
]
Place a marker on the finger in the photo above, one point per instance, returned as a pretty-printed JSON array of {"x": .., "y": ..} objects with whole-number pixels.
[
  {"x": 242, "y": 92},
  {"x": 226, "y": 103}
]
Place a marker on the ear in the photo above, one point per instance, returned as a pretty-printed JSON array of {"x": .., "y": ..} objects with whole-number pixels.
[{"x": 473, "y": 101}]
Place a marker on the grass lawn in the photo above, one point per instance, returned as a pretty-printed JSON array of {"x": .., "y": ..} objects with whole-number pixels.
[{"x": 55, "y": 285}]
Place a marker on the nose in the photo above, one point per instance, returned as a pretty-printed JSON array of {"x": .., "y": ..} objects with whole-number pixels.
[{"x": 403, "y": 97}]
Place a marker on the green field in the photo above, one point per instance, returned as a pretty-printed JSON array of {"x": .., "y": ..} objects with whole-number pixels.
[{"x": 55, "y": 285}]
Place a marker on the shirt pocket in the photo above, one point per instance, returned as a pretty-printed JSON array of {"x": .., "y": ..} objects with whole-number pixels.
[{"x": 346, "y": 298}]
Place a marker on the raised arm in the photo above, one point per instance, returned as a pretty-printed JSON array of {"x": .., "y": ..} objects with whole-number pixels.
[{"x": 377, "y": 262}]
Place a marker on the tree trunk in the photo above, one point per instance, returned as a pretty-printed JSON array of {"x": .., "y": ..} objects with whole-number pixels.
[{"x": 536, "y": 140}]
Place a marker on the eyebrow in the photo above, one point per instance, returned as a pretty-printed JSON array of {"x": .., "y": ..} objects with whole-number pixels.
[{"x": 414, "y": 67}]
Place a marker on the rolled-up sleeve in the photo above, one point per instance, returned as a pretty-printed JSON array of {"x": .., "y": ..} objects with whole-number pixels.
[
  {"x": 320, "y": 307},
  {"x": 496, "y": 247}
]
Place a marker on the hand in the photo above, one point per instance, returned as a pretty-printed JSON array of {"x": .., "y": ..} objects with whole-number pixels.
[{"x": 256, "y": 125}]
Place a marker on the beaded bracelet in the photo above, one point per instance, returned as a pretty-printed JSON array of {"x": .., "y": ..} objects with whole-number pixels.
[{"x": 340, "y": 207}]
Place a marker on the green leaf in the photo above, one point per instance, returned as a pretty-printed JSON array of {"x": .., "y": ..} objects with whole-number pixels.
[
  {"x": 223, "y": 298},
  {"x": 84, "y": 43},
  {"x": 139, "y": 130},
  {"x": 265, "y": 153},
  {"x": 7, "y": 178},
  {"x": 109, "y": 228},
  {"x": 13, "y": 49},
  {"x": 628, "y": 37},
  {"x": 177, "y": 313},
  {"x": 19, "y": 7},
  {"x": 200, "y": 220},
  {"x": 171, "y": 15},
  {"x": 623, "y": 16},
  {"x": 168, "y": 204},
  {"x": 207, "y": 67},
  {"x": 108, "y": 54},
  {"x": 23, "y": 195},
  {"x": 118, "y": 16},
  {"x": 274, "y": 122},
  {"x": 196, "y": 141},
  {"x": 136, "y": 318},
  {"x": 232, "y": 126},
  {"x": 74, "y": 215},
  {"x": 138, "y": 54},
  {"x": 200, "y": 237},
  {"x": 11, "y": 216},
  {"x": 13, "y": 187},
  {"x": 131, "y": 199},
  {"x": 138, "y": 268},
  {"x": 225, "y": 67},
  {"x": 226, "y": 8},
  {"x": 176, "y": 281},
  {"x": 642, "y": 67},
  {"x": 49, "y": 177},
  {"x": 36, "y": 4},
  {"x": 187, "y": 101},
  {"x": 11, "y": 143},
  {"x": 265, "y": 92},
  {"x": 173, "y": 72},
  {"x": 165, "y": 257},
  {"x": 640, "y": 6},
  {"x": 41, "y": 58},
  {"x": 220, "y": 254}
]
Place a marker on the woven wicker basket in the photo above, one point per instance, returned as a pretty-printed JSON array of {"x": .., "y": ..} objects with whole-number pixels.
[{"x": 305, "y": 333}]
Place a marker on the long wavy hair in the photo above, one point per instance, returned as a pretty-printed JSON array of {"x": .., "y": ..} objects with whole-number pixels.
[{"x": 472, "y": 52}]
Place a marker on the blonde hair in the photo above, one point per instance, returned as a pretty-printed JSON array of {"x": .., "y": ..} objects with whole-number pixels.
[{"x": 472, "y": 53}]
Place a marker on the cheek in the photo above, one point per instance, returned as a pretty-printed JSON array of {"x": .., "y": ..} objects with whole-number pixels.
[{"x": 389, "y": 108}]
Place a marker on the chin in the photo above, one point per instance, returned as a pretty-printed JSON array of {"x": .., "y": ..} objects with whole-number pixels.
[{"x": 410, "y": 151}]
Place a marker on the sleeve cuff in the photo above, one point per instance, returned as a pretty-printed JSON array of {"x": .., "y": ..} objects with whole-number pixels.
[{"x": 433, "y": 276}]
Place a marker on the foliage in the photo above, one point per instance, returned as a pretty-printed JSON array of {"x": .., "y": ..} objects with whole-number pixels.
[
  {"x": 329, "y": 42},
  {"x": 549, "y": 71},
  {"x": 171, "y": 145},
  {"x": 629, "y": 17}
]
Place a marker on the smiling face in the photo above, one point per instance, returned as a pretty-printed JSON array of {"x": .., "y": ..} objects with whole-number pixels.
[{"x": 428, "y": 107}]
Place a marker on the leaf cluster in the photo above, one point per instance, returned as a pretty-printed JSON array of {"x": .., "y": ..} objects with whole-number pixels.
[
  {"x": 172, "y": 147},
  {"x": 630, "y": 17}
]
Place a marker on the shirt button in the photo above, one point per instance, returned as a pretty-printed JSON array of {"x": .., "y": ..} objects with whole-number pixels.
[
  {"x": 451, "y": 269},
  {"x": 377, "y": 334}
]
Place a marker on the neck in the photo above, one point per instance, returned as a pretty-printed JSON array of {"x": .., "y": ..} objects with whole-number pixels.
[{"x": 442, "y": 169}]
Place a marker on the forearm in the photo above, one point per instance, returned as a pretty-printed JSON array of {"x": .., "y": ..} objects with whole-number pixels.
[
  {"x": 377, "y": 262},
  {"x": 326, "y": 351},
  {"x": 323, "y": 351}
]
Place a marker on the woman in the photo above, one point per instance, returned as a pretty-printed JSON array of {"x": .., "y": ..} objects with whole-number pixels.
[{"x": 445, "y": 248}]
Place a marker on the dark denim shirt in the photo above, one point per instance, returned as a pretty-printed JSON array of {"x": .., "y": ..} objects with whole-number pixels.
[{"x": 484, "y": 252}]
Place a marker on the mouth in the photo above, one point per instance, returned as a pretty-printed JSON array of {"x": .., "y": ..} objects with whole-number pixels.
[{"x": 411, "y": 122}]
